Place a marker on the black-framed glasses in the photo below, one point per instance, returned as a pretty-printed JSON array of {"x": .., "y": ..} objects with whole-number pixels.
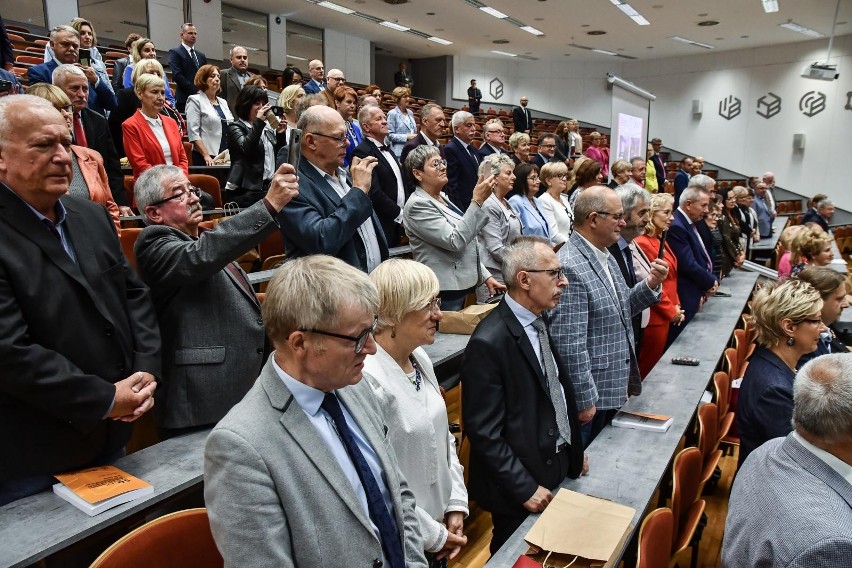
[
  {"x": 616, "y": 216},
  {"x": 341, "y": 79},
  {"x": 360, "y": 339},
  {"x": 557, "y": 273},
  {"x": 180, "y": 196},
  {"x": 341, "y": 140},
  {"x": 563, "y": 177}
]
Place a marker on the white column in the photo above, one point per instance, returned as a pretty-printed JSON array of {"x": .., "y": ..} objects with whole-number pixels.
[
  {"x": 277, "y": 41},
  {"x": 59, "y": 12}
]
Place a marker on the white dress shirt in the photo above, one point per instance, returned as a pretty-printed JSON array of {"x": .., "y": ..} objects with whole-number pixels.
[
  {"x": 156, "y": 125},
  {"x": 838, "y": 465},
  {"x": 400, "y": 187}
]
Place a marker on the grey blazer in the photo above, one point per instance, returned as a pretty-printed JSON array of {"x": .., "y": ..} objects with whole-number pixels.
[
  {"x": 213, "y": 337},
  {"x": 230, "y": 85},
  {"x": 276, "y": 496},
  {"x": 502, "y": 227},
  {"x": 788, "y": 508},
  {"x": 203, "y": 122},
  {"x": 593, "y": 330},
  {"x": 445, "y": 241}
]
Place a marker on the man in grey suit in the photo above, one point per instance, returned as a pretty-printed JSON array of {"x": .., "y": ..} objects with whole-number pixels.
[
  {"x": 591, "y": 325},
  {"x": 208, "y": 313},
  {"x": 300, "y": 472},
  {"x": 234, "y": 78},
  {"x": 791, "y": 504},
  {"x": 333, "y": 213}
]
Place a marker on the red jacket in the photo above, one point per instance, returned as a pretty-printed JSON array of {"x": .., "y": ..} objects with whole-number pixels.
[
  {"x": 662, "y": 312},
  {"x": 143, "y": 149}
]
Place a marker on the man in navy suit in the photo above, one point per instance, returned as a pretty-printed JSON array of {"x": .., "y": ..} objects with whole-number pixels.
[
  {"x": 462, "y": 160},
  {"x": 495, "y": 135},
  {"x": 387, "y": 191},
  {"x": 695, "y": 278},
  {"x": 791, "y": 503},
  {"x": 432, "y": 125},
  {"x": 659, "y": 163},
  {"x": 184, "y": 62},
  {"x": 546, "y": 150},
  {"x": 681, "y": 179},
  {"x": 332, "y": 215},
  {"x": 821, "y": 213},
  {"x": 317, "y": 83},
  {"x": 65, "y": 42}
]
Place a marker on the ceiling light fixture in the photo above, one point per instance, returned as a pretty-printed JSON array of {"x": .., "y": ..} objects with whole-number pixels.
[
  {"x": 532, "y": 30},
  {"x": 442, "y": 41},
  {"x": 691, "y": 42},
  {"x": 605, "y": 52},
  {"x": 794, "y": 27},
  {"x": 630, "y": 12},
  {"x": 296, "y": 57},
  {"x": 493, "y": 12},
  {"x": 336, "y": 7},
  {"x": 394, "y": 26},
  {"x": 770, "y": 6},
  {"x": 506, "y": 53}
]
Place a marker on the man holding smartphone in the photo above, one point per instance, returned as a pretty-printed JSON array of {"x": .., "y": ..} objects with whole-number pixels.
[{"x": 65, "y": 42}]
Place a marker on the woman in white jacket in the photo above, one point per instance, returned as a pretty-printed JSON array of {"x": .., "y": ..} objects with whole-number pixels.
[
  {"x": 402, "y": 378},
  {"x": 206, "y": 117}
]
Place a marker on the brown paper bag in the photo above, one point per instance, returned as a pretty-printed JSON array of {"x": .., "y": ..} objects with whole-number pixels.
[
  {"x": 465, "y": 321},
  {"x": 577, "y": 525}
]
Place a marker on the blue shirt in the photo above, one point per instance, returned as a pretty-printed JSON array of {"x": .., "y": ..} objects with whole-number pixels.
[{"x": 59, "y": 226}]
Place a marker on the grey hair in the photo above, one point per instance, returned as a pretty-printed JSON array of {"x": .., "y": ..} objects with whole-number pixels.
[
  {"x": 517, "y": 138},
  {"x": 491, "y": 164},
  {"x": 493, "y": 121},
  {"x": 305, "y": 103},
  {"x": 825, "y": 203},
  {"x": 635, "y": 159},
  {"x": 231, "y": 51},
  {"x": 313, "y": 292},
  {"x": 30, "y": 101},
  {"x": 310, "y": 119},
  {"x": 692, "y": 193},
  {"x": 520, "y": 255},
  {"x": 701, "y": 181},
  {"x": 150, "y": 186},
  {"x": 587, "y": 203},
  {"x": 62, "y": 71},
  {"x": 428, "y": 108},
  {"x": 822, "y": 396},
  {"x": 59, "y": 29},
  {"x": 364, "y": 113},
  {"x": 416, "y": 159},
  {"x": 459, "y": 117},
  {"x": 186, "y": 25},
  {"x": 632, "y": 196}
]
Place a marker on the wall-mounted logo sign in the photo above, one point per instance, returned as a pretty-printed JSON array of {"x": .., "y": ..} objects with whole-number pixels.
[
  {"x": 768, "y": 105},
  {"x": 848, "y": 101},
  {"x": 812, "y": 103},
  {"x": 730, "y": 107},
  {"x": 495, "y": 87}
]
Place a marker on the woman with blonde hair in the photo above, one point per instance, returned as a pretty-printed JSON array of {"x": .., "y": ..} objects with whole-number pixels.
[
  {"x": 667, "y": 312},
  {"x": 519, "y": 142},
  {"x": 788, "y": 321},
  {"x": 143, "y": 49},
  {"x": 555, "y": 179},
  {"x": 785, "y": 246},
  {"x": 401, "y": 376},
  {"x": 287, "y": 100},
  {"x": 621, "y": 172},
  {"x": 598, "y": 153},
  {"x": 651, "y": 183},
  {"x": 89, "y": 179},
  {"x": 810, "y": 248},
  {"x": 401, "y": 124}
]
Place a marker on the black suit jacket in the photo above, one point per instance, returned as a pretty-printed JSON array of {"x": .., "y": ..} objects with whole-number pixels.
[
  {"x": 538, "y": 160},
  {"x": 67, "y": 333},
  {"x": 461, "y": 173},
  {"x": 100, "y": 140},
  {"x": 630, "y": 279},
  {"x": 813, "y": 216},
  {"x": 183, "y": 73},
  {"x": 486, "y": 150},
  {"x": 247, "y": 155},
  {"x": 522, "y": 118},
  {"x": 509, "y": 418},
  {"x": 414, "y": 143},
  {"x": 318, "y": 221},
  {"x": 660, "y": 170},
  {"x": 384, "y": 191}
]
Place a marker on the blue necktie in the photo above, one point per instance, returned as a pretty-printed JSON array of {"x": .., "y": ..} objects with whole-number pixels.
[{"x": 391, "y": 543}]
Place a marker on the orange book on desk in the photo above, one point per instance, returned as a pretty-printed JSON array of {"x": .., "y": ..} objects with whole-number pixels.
[{"x": 96, "y": 489}]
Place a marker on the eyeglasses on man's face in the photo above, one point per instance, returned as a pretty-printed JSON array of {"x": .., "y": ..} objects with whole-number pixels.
[
  {"x": 340, "y": 140},
  {"x": 615, "y": 216},
  {"x": 557, "y": 273},
  {"x": 181, "y": 196},
  {"x": 360, "y": 339}
]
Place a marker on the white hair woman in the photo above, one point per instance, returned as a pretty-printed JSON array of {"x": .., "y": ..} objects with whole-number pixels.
[{"x": 504, "y": 223}]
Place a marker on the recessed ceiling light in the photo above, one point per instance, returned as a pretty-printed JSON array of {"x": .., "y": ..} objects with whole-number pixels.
[
  {"x": 336, "y": 7},
  {"x": 691, "y": 42},
  {"x": 708, "y": 23},
  {"x": 584, "y": 25},
  {"x": 394, "y": 26},
  {"x": 506, "y": 53},
  {"x": 649, "y": 47},
  {"x": 744, "y": 37},
  {"x": 794, "y": 27},
  {"x": 430, "y": 13},
  {"x": 770, "y": 6},
  {"x": 604, "y": 52},
  {"x": 442, "y": 41},
  {"x": 532, "y": 30},
  {"x": 596, "y": 33},
  {"x": 538, "y": 19},
  {"x": 702, "y": 15},
  {"x": 493, "y": 12},
  {"x": 500, "y": 41},
  {"x": 720, "y": 39}
]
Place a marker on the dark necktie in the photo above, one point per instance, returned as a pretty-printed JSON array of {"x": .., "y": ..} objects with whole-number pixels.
[
  {"x": 706, "y": 254},
  {"x": 631, "y": 272},
  {"x": 194, "y": 57},
  {"x": 384, "y": 148},
  {"x": 391, "y": 543},
  {"x": 553, "y": 385},
  {"x": 472, "y": 152},
  {"x": 79, "y": 133}
]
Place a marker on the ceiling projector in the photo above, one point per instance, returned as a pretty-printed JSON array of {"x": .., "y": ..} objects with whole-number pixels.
[{"x": 821, "y": 72}]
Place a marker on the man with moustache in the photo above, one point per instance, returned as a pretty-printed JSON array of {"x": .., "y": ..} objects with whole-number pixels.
[
  {"x": 234, "y": 78},
  {"x": 462, "y": 160},
  {"x": 333, "y": 213},
  {"x": 591, "y": 326},
  {"x": 518, "y": 403},
  {"x": 79, "y": 344},
  {"x": 193, "y": 278},
  {"x": 432, "y": 125}
]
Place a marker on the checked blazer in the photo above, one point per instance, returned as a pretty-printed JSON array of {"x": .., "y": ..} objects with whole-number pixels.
[{"x": 591, "y": 327}]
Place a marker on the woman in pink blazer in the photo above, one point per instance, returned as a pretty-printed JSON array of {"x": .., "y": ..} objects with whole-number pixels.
[{"x": 151, "y": 139}]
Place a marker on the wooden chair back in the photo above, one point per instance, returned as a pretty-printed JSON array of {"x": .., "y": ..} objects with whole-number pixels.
[
  {"x": 686, "y": 486},
  {"x": 210, "y": 184},
  {"x": 655, "y": 539},
  {"x": 128, "y": 240}
]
